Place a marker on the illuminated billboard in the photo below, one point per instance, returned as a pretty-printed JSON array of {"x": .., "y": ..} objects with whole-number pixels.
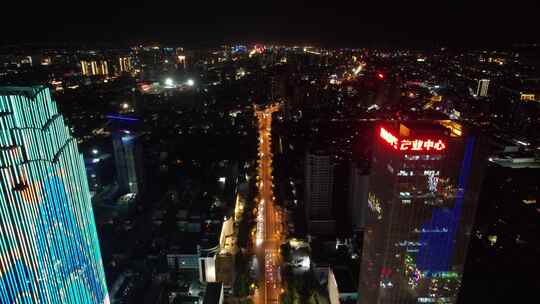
[{"x": 416, "y": 144}]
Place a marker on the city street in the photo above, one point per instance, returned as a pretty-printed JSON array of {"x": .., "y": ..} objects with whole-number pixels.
[{"x": 269, "y": 234}]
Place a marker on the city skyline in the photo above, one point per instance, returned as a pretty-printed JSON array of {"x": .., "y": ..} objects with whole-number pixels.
[{"x": 277, "y": 153}]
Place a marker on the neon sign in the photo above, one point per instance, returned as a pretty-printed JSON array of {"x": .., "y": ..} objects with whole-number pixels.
[
  {"x": 412, "y": 144},
  {"x": 389, "y": 137}
]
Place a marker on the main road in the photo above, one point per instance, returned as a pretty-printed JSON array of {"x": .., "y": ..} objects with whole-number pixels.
[{"x": 269, "y": 234}]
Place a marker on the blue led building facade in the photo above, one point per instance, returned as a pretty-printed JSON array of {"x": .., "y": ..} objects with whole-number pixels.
[
  {"x": 422, "y": 199},
  {"x": 49, "y": 250}
]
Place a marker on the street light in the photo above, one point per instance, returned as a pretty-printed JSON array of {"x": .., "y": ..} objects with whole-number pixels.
[
  {"x": 190, "y": 82},
  {"x": 169, "y": 82}
]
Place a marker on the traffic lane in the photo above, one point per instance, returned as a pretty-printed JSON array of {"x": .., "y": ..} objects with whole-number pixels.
[{"x": 266, "y": 193}]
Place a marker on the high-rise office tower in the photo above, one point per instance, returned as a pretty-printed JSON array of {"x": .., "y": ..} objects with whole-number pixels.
[
  {"x": 482, "y": 88},
  {"x": 49, "y": 250},
  {"x": 319, "y": 182},
  {"x": 127, "y": 154},
  {"x": 422, "y": 199},
  {"x": 94, "y": 68}
]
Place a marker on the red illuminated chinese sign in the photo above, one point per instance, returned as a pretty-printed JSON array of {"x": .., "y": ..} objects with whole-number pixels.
[
  {"x": 389, "y": 137},
  {"x": 412, "y": 144}
]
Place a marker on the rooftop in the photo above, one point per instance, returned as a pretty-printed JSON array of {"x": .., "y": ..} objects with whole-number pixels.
[
  {"x": 516, "y": 160},
  {"x": 29, "y": 92}
]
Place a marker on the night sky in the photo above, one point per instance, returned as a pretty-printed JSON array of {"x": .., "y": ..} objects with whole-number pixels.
[{"x": 331, "y": 23}]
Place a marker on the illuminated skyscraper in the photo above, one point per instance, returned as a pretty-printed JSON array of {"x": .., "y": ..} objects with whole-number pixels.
[
  {"x": 94, "y": 68},
  {"x": 49, "y": 250},
  {"x": 421, "y": 203}
]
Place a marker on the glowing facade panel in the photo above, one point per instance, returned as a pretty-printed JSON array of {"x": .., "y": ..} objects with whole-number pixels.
[
  {"x": 49, "y": 250},
  {"x": 482, "y": 89},
  {"x": 527, "y": 97},
  {"x": 125, "y": 64},
  {"x": 94, "y": 68}
]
